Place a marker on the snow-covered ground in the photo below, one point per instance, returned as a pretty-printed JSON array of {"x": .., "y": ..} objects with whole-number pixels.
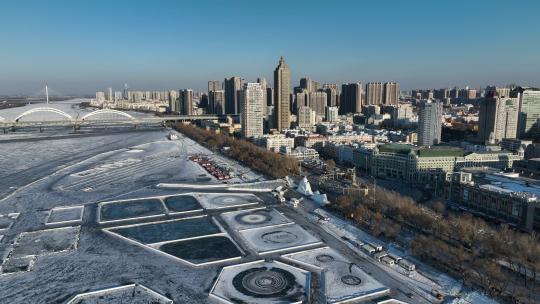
[{"x": 344, "y": 281}]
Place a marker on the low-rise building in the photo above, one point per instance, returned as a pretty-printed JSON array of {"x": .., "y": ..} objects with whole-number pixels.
[
  {"x": 498, "y": 197},
  {"x": 300, "y": 153},
  {"x": 416, "y": 165},
  {"x": 275, "y": 141}
]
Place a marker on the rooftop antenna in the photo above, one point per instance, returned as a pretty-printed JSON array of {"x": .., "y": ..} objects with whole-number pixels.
[{"x": 47, "y": 93}]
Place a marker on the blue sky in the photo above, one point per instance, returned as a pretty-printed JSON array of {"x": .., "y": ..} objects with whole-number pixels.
[{"x": 84, "y": 46}]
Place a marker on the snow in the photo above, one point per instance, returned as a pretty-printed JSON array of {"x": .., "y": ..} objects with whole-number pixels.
[
  {"x": 336, "y": 290},
  {"x": 225, "y": 291},
  {"x": 278, "y": 238},
  {"x": 133, "y": 293},
  {"x": 254, "y": 218}
]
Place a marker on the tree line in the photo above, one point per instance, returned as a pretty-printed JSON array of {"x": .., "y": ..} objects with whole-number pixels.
[
  {"x": 256, "y": 158},
  {"x": 503, "y": 262}
]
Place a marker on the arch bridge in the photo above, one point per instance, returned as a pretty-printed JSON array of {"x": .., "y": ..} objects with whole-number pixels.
[{"x": 101, "y": 116}]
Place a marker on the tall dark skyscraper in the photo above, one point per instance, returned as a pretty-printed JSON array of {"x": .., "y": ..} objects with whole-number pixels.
[
  {"x": 186, "y": 101},
  {"x": 351, "y": 98},
  {"x": 216, "y": 102},
  {"x": 282, "y": 95},
  {"x": 232, "y": 88}
]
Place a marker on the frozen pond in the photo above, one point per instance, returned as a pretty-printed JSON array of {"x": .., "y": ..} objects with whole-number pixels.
[
  {"x": 202, "y": 250},
  {"x": 169, "y": 230},
  {"x": 113, "y": 211},
  {"x": 181, "y": 203}
]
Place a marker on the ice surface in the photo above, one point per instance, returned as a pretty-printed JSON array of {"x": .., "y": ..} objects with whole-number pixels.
[
  {"x": 254, "y": 218},
  {"x": 46, "y": 242},
  {"x": 66, "y": 215},
  {"x": 278, "y": 238}
]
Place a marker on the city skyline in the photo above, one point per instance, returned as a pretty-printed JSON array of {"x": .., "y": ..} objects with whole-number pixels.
[{"x": 78, "y": 48}]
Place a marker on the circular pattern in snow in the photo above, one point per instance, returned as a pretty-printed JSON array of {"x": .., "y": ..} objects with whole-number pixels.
[
  {"x": 255, "y": 218},
  {"x": 279, "y": 237},
  {"x": 324, "y": 258},
  {"x": 264, "y": 283},
  {"x": 351, "y": 280}
]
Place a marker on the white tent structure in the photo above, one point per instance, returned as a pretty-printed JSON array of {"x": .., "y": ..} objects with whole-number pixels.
[{"x": 304, "y": 187}]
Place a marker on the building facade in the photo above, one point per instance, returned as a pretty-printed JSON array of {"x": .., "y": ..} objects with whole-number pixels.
[
  {"x": 216, "y": 102},
  {"x": 186, "y": 102},
  {"x": 426, "y": 165},
  {"x": 429, "y": 123},
  {"x": 232, "y": 87},
  {"x": 351, "y": 98},
  {"x": 252, "y": 101},
  {"x": 529, "y": 112},
  {"x": 282, "y": 99},
  {"x": 498, "y": 118}
]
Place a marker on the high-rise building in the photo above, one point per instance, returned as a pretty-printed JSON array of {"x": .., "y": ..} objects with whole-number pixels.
[
  {"x": 186, "y": 101},
  {"x": 232, "y": 88},
  {"x": 309, "y": 85},
  {"x": 374, "y": 93},
  {"x": 282, "y": 93},
  {"x": 252, "y": 101},
  {"x": 301, "y": 99},
  {"x": 117, "y": 96},
  {"x": 317, "y": 102},
  {"x": 216, "y": 102},
  {"x": 332, "y": 114},
  {"x": 100, "y": 97},
  {"x": 429, "y": 123},
  {"x": 269, "y": 97},
  {"x": 351, "y": 98},
  {"x": 214, "y": 85},
  {"x": 110, "y": 97},
  {"x": 332, "y": 94},
  {"x": 264, "y": 86},
  {"x": 498, "y": 117},
  {"x": 306, "y": 118},
  {"x": 391, "y": 93},
  {"x": 529, "y": 111},
  {"x": 501, "y": 91}
]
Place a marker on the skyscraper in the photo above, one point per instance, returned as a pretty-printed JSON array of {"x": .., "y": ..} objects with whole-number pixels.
[
  {"x": 186, "y": 101},
  {"x": 429, "y": 123},
  {"x": 374, "y": 93},
  {"x": 317, "y": 102},
  {"x": 332, "y": 94},
  {"x": 309, "y": 85},
  {"x": 216, "y": 102},
  {"x": 391, "y": 93},
  {"x": 498, "y": 117},
  {"x": 269, "y": 96},
  {"x": 529, "y": 111},
  {"x": 282, "y": 99},
  {"x": 110, "y": 96},
  {"x": 351, "y": 98},
  {"x": 214, "y": 85},
  {"x": 252, "y": 101},
  {"x": 300, "y": 100},
  {"x": 232, "y": 87},
  {"x": 264, "y": 86}
]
